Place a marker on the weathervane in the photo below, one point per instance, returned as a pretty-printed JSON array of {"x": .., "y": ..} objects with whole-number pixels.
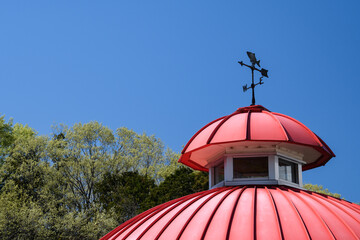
[{"x": 252, "y": 67}]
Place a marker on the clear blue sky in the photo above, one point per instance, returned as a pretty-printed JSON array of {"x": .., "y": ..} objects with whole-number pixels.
[{"x": 169, "y": 67}]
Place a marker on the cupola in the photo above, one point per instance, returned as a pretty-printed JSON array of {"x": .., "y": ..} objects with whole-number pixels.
[
  {"x": 255, "y": 160},
  {"x": 254, "y": 146}
]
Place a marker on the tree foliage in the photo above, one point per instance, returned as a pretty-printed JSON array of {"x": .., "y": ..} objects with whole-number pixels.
[
  {"x": 320, "y": 189},
  {"x": 125, "y": 195},
  {"x": 79, "y": 183},
  {"x": 183, "y": 181},
  {"x": 6, "y": 137}
]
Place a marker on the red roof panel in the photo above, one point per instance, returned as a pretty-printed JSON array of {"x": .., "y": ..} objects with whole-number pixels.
[
  {"x": 202, "y": 136},
  {"x": 242, "y": 225},
  {"x": 297, "y": 132},
  {"x": 266, "y": 215},
  {"x": 221, "y": 215},
  {"x": 289, "y": 217},
  {"x": 234, "y": 129},
  {"x": 264, "y": 126}
]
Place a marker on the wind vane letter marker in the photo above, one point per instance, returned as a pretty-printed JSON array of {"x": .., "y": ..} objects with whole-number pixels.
[{"x": 252, "y": 67}]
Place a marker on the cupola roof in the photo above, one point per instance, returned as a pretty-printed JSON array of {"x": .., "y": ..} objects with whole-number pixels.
[{"x": 254, "y": 127}]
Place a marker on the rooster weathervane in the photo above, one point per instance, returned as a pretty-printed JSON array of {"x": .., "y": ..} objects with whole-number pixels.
[{"x": 264, "y": 73}]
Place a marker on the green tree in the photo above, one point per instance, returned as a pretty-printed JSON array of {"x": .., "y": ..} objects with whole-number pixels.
[
  {"x": 6, "y": 138},
  {"x": 124, "y": 195},
  {"x": 81, "y": 156},
  {"x": 142, "y": 153},
  {"x": 94, "y": 164},
  {"x": 37, "y": 200},
  {"x": 320, "y": 189},
  {"x": 24, "y": 174},
  {"x": 26, "y": 164},
  {"x": 170, "y": 165},
  {"x": 83, "y": 181},
  {"x": 21, "y": 218},
  {"x": 182, "y": 182}
]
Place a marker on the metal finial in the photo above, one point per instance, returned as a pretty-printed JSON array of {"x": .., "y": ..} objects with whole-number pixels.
[{"x": 264, "y": 73}]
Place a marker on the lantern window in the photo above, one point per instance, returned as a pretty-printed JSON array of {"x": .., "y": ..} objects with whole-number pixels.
[
  {"x": 288, "y": 171},
  {"x": 219, "y": 173},
  {"x": 254, "y": 167}
]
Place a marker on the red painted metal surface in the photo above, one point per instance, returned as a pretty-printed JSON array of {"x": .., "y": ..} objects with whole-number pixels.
[
  {"x": 246, "y": 212},
  {"x": 250, "y": 125}
]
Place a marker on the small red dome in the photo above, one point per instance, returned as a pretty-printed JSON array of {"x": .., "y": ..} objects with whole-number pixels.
[
  {"x": 247, "y": 212},
  {"x": 254, "y": 126}
]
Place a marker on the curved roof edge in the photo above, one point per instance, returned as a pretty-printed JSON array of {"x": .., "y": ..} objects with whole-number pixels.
[{"x": 270, "y": 127}]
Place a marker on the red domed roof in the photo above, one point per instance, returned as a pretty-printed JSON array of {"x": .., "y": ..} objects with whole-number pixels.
[
  {"x": 254, "y": 126},
  {"x": 247, "y": 212}
]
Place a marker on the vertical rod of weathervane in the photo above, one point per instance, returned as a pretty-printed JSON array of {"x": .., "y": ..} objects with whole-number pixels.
[{"x": 253, "y": 86}]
